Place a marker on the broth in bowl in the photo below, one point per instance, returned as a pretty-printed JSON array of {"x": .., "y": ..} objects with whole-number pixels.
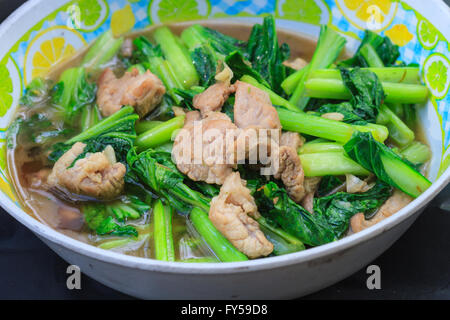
[{"x": 220, "y": 142}]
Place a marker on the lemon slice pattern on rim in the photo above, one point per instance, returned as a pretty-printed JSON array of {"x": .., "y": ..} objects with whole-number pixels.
[
  {"x": 307, "y": 11},
  {"x": 88, "y": 15},
  {"x": 177, "y": 10},
  {"x": 369, "y": 14},
  {"x": 437, "y": 74},
  {"x": 51, "y": 52},
  {"x": 122, "y": 21},
  {"x": 427, "y": 34},
  {"x": 399, "y": 35},
  {"x": 49, "y": 48}
]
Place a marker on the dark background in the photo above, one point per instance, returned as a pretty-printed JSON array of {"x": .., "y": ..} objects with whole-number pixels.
[{"x": 415, "y": 267}]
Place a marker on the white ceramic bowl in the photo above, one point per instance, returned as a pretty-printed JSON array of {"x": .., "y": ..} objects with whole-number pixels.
[{"x": 293, "y": 275}]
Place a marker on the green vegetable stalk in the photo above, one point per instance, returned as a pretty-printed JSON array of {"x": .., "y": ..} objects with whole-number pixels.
[
  {"x": 145, "y": 125},
  {"x": 326, "y": 128},
  {"x": 329, "y": 46},
  {"x": 417, "y": 153},
  {"x": 73, "y": 92},
  {"x": 159, "y": 134},
  {"x": 163, "y": 236},
  {"x": 178, "y": 56},
  {"x": 330, "y": 163},
  {"x": 386, "y": 164},
  {"x": 406, "y": 75},
  {"x": 220, "y": 245},
  {"x": 90, "y": 116},
  {"x": 399, "y": 132},
  {"x": 103, "y": 50},
  {"x": 395, "y": 92}
]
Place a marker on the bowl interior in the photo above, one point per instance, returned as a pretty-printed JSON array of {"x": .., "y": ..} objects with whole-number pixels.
[{"x": 43, "y": 33}]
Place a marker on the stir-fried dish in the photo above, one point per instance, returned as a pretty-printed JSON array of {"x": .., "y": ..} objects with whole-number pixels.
[{"x": 184, "y": 143}]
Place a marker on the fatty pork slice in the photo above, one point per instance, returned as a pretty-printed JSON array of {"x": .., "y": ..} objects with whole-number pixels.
[
  {"x": 144, "y": 92},
  {"x": 396, "y": 202},
  {"x": 213, "y": 98},
  {"x": 233, "y": 213},
  {"x": 253, "y": 108},
  {"x": 215, "y": 159},
  {"x": 94, "y": 176}
]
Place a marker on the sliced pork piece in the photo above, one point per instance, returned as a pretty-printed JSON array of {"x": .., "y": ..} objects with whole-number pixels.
[
  {"x": 204, "y": 149},
  {"x": 142, "y": 91},
  {"x": 289, "y": 168},
  {"x": 213, "y": 98},
  {"x": 292, "y": 139},
  {"x": 232, "y": 213},
  {"x": 290, "y": 171},
  {"x": 396, "y": 202},
  {"x": 93, "y": 176},
  {"x": 311, "y": 185},
  {"x": 296, "y": 64},
  {"x": 70, "y": 218},
  {"x": 253, "y": 108}
]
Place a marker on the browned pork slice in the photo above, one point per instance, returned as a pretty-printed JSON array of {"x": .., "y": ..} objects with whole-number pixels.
[
  {"x": 290, "y": 169},
  {"x": 204, "y": 149},
  {"x": 292, "y": 139},
  {"x": 253, "y": 108},
  {"x": 311, "y": 185},
  {"x": 213, "y": 98},
  {"x": 95, "y": 175},
  {"x": 142, "y": 91},
  {"x": 232, "y": 213},
  {"x": 397, "y": 201}
]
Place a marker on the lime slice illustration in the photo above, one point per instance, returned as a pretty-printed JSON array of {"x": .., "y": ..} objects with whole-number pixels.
[
  {"x": 427, "y": 34},
  {"x": 300, "y": 10},
  {"x": 6, "y": 89},
  {"x": 175, "y": 10},
  {"x": 437, "y": 75},
  {"x": 89, "y": 15}
]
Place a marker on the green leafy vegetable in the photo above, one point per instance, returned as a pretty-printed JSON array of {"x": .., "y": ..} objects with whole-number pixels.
[
  {"x": 102, "y": 223},
  {"x": 36, "y": 92},
  {"x": 386, "y": 164},
  {"x": 117, "y": 130},
  {"x": 241, "y": 67},
  {"x": 266, "y": 55},
  {"x": 328, "y": 184},
  {"x": 275, "y": 205},
  {"x": 338, "y": 208},
  {"x": 385, "y": 50},
  {"x": 366, "y": 91}
]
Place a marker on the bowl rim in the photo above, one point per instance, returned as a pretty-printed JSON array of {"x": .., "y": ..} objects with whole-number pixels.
[{"x": 48, "y": 233}]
